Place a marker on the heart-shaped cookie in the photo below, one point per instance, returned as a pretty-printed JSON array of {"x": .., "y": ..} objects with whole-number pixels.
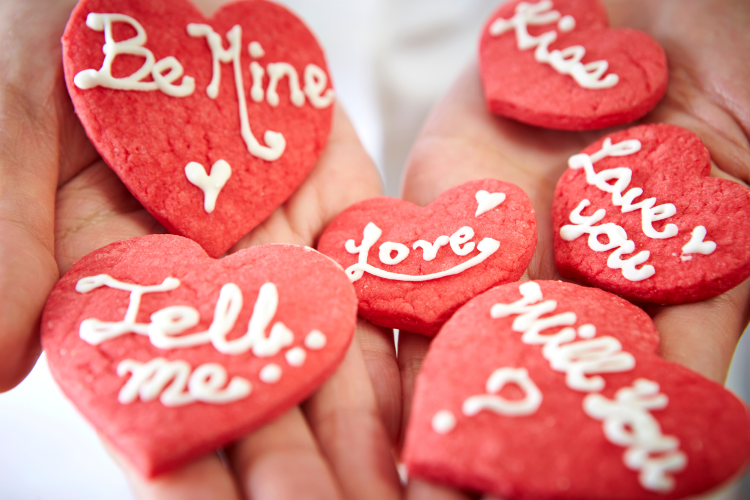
[
  {"x": 556, "y": 64},
  {"x": 550, "y": 390},
  {"x": 171, "y": 354},
  {"x": 412, "y": 267},
  {"x": 210, "y": 123},
  {"x": 637, "y": 214}
]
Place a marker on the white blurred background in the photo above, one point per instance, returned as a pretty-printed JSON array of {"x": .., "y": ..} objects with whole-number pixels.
[{"x": 390, "y": 60}]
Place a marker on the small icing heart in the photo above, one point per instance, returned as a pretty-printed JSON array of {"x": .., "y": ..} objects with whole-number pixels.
[{"x": 487, "y": 201}]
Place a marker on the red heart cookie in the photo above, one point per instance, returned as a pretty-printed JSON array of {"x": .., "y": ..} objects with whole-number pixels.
[
  {"x": 637, "y": 214},
  {"x": 171, "y": 354},
  {"x": 550, "y": 390},
  {"x": 210, "y": 123},
  {"x": 556, "y": 64},
  {"x": 412, "y": 267}
]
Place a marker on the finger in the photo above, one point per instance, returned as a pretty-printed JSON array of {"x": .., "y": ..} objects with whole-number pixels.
[
  {"x": 421, "y": 490},
  {"x": 281, "y": 461},
  {"x": 345, "y": 418},
  {"x": 703, "y": 335},
  {"x": 204, "y": 478},
  {"x": 379, "y": 352},
  {"x": 343, "y": 175},
  {"x": 412, "y": 348},
  {"x": 95, "y": 209},
  {"x": 30, "y": 90}
]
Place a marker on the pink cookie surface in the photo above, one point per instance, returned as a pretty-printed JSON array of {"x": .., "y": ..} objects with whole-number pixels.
[
  {"x": 300, "y": 339},
  {"x": 671, "y": 166},
  {"x": 518, "y": 86},
  {"x": 550, "y": 395},
  {"x": 148, "y": 137},
  {"x": 422, "y": 306}
]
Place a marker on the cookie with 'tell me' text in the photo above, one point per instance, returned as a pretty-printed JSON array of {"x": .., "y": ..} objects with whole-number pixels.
[
  {"x": 412, "y": 267},
  {"x": 637, "y": 214},
  {"x": 550, "y": 390},
  {"x": 210, "y": 123},
  {"x": 556, "y": 64},
  {"x": 171, "y": 354}
]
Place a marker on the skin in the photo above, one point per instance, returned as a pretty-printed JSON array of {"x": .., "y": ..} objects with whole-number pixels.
[
  {"x": 707, "y": 94},
  {"x": 59, "y": 201}
]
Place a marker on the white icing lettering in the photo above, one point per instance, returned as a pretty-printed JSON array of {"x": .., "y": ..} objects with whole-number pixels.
[
  {"x": 270, "y": 374},
  {"x": 628, "y": 423},
  {"x": 90, "y": 78},
  {"x": 491, "y": 401},
  {"x": 275, "y": 140},
  {"x": 315, "y": 340},
  {"x": 486, "y": 201},
  {"x": 316, "y": 82},
  {"x": 430, "y": 250},
  {"x": 402, "y": 251},
  {"x": 296, "y": 356},
  {"x": 212, "y": 184},
  {"x": 443, "y": 422},
  {"x": 372, "y": 233},
  {"x": 258, "y": 73},
  {"x": 276, "y": 71},
  {"x": 167, "y": 324},
  {"x": 255, "y": 49},
  {"x": 697, "y": 244},
  {"x": 566, "y": 61},
  {"x": 206, "y": 384}
]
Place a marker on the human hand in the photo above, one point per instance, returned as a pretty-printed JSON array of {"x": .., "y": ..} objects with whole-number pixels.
[
  {"x": 462, "y": 141},
  {"x": 60, "y": 201}
]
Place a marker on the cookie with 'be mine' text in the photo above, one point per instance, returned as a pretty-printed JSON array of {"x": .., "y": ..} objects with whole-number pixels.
[
  {"x": 412, "y": 267},
  {"x": 637, "y": 214},
  {"x": 171, "y": 354},
  {"x": 557, "y": 64},
  {"x": 210, "y": 123},
  {"x": 550, "y": 390}
]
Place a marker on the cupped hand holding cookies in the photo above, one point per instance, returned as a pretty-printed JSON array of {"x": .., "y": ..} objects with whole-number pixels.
[
  {"x": 61, "y": 202},
  {"x": 704, "y": 78}
]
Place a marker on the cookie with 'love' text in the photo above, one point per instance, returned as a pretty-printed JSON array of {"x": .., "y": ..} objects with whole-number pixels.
[
  {"x": 412, "y": 267},
  {"x": 171, "y": 354},
  {"x": 637, "y": 214},
  {"x": 557, "y": 64},
  {"x": 549, "y": 390},
  {"x": 211, "y": 123}
]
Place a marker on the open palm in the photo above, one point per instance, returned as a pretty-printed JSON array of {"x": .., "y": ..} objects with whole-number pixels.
[
  {"x": 707, "y": 94},
  {"x": 60, "y": 201}
]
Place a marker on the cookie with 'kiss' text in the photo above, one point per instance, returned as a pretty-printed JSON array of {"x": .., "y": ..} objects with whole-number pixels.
[
  {"x": 637, "y": 214},
  {"x": 171, "y": 354},
  {"x": 549, "y": 390},
  {"x": 557, "y": 64},
  {"x": 211, "y": 123},
  {"x": 412, "y": 267}
]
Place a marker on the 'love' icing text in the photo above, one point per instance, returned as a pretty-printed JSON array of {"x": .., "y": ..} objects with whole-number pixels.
[
  {"x": 616, "y": 235},
  {"x": 459, "y": 242}
]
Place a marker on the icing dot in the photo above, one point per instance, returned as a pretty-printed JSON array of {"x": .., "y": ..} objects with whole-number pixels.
[
  {"x": 315, "y": 340},
  {"x": 443, "y": 422},
  {"x": 296, "y": 356},
  {"x": 587, "y": 331},
  {"x": 566, "y": 23},
  {"x": 270, "y": 374},
  {"x": 256, "y": 50}
]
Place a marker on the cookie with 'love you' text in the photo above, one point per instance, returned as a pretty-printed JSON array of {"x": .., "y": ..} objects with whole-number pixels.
[
  {"x": 638, "y": 215},
  {"x": 412, "y": 267},
  {"x": 549, "y": 390},
  {"x": 211, "y": 123},
  {"x": 171, "y": 354},
  {"x": 557, "y": 64}
]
